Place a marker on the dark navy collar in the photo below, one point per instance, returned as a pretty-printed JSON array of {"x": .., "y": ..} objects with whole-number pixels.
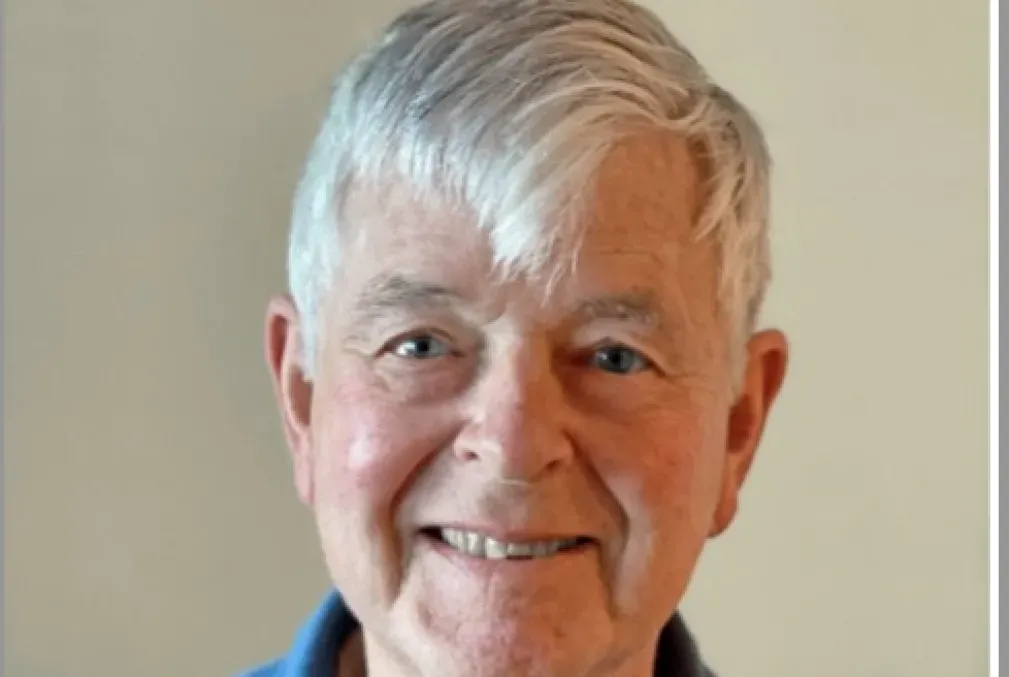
[{"x": 315, "y": 648}]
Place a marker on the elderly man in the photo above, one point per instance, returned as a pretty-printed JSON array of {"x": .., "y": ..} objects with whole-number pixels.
[{"x": 518, "y": 371}]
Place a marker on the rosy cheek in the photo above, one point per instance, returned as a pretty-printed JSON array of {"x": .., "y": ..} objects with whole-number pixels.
[
  {"x": 371, "y": 446},
  {"x": 356, "y": 454},
  {"x": 654, "y": 471}
]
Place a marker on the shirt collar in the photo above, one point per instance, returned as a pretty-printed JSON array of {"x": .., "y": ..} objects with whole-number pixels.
[{"x": 315, "y": 648}]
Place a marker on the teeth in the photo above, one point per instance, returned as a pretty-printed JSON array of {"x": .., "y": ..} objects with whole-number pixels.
[
  {"x": 495, "y": 549},
  {"x": 454, "y": 538},
  {"x": 521, "y": 549},
  {"x": 543, "y": 549},
  {"x": 486, "y": 547},
  {"x": 474, "y": 544}
]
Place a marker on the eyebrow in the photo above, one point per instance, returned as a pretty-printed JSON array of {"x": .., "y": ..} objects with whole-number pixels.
[
  {"x": 392, "y": 292},
  {"x": 397, "y": 292},
  {"x": 639, "y": 307}
]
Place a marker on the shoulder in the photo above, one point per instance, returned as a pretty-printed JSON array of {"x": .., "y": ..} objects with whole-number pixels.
[
  {"x": 274, "y": 669},
  {"x": 315, "y": 645}
]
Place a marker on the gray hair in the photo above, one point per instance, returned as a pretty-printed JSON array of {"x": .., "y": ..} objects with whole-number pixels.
[{"x": 509, "y": 107}]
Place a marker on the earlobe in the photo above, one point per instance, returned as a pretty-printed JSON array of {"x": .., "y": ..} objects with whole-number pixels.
[
  {"x": 292, "y": 388},
  {"x": 765, "y": 372},
  {"x": 725, "y": 510}
]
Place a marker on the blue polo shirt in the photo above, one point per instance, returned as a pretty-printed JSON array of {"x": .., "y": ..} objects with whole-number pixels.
[{"x": 317, "y": 645}]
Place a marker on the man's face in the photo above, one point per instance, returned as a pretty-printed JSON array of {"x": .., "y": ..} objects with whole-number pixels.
[{"x": 509, "y": 483}]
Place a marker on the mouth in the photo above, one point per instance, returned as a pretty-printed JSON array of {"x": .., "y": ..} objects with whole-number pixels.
[{"x": 482, "y": 546}]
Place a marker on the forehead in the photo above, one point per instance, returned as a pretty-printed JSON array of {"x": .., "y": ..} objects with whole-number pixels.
[{"x": 636, "y": 232}]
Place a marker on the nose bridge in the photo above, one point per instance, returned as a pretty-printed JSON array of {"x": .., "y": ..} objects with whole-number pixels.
[{"x": 516, "y": 423}]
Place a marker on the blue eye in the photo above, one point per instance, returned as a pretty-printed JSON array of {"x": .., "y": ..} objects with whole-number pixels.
[
  {"x": 421, "y": 347},
  {"x": 619, "y": 360}
]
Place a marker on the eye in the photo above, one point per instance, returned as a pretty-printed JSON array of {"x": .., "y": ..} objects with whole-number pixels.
[
  {"x": 620, "y": 360},
  {"x": 421, "y": 347}
]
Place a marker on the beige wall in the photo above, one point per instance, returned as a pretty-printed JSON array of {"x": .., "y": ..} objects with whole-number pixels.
[{"x": 150, "y": 150}]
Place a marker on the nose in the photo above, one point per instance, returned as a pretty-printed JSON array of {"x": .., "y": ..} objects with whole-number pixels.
[{"x": 516, "y": 419}]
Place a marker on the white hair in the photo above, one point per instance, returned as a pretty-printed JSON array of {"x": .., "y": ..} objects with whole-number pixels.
[{"x": 510, "y": 106}]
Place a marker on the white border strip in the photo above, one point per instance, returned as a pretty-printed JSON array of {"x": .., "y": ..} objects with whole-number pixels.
[{"x": 993, "y": 328}]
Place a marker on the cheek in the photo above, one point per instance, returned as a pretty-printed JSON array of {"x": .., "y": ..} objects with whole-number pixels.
[
  {"x": 366, "y": 450},
  {"x": 663, "y": 464},
  {"x": 368, "y": 445},
  {"x": 663, "y": 473},
  {"x": 683, "y": 480},
  {"x": 664, "y": 486},
  {"x": 691, "y": 461}
]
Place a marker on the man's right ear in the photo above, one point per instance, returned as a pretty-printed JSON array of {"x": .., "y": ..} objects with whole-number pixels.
[{"x": 292, "y": 388}]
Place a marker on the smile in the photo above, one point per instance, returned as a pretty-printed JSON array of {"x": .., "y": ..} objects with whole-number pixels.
[{"x": 482, "y": 546}]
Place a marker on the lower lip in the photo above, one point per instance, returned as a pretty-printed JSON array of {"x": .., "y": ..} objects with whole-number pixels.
[{"x": 472, "y": 561}]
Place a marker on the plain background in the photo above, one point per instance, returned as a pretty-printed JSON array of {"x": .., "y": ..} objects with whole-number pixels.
[{"x": 151, "y": 147}]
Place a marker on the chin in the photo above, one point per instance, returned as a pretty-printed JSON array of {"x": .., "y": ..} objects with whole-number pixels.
[
  {"x": 480, "y": 650},
  {"x": 507, "y": 663}
]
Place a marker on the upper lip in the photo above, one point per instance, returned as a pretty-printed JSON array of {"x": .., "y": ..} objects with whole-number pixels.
[{"x": 506, "y": 535}]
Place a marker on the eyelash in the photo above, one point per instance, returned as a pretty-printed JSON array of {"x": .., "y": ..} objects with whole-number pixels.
[
  {"x": 591, "y": 358},
  {"x": 646, "y": 363},
  {"x": 393, "y": 345}
]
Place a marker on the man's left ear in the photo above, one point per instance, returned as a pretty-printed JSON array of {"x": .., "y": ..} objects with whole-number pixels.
[{"x": 767, "y": 359}]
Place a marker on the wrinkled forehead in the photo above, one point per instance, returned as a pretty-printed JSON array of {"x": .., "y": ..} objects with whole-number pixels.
[{"x": 635, "y": 230}]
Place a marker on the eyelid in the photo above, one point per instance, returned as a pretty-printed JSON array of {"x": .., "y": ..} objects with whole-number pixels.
[
  {"x": 414, "y": 334},
  {"x": 650, "y": 362},
  {"x": 605, "y": 343},
  {"x": 453, "y": 345}
]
